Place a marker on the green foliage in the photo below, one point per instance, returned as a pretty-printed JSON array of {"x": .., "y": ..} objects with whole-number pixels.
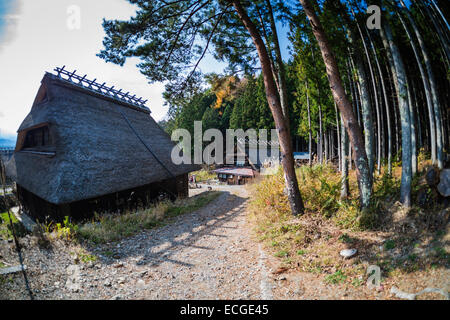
[
  {"x": 86, "y": 257},
  {"x": 389, "y": 244},
  {"x": 336, "y": 277},
  {"x": 51, "y": 230},
  {"x": 319, "y": 186},
  {"x": 281, "y": 254},
  {"x": 441, "y": 253},
  {"x": 243, "y": 107},
  {"x": 345, "y": 238},
  {"x": 6, "y": 232},
  {"x": 203, "y": 175},
  {"x": 386, "y": 187}
]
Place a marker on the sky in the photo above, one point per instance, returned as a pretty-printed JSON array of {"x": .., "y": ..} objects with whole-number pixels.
[{"x": 37, "y": 36}]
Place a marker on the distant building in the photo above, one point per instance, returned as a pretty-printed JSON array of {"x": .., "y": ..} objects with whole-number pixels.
[
  {"x": 234, "y": 175},
  {"x": 86, "y": 148}
]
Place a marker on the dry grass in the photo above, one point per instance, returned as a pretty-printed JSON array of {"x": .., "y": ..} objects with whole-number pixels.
[
  {"x": 114, "y": 227},
  {"x": 108, "y": 228},
  {"x": 312, "y": 242}
]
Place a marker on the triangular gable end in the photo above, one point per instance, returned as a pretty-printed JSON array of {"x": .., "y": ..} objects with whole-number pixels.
[{"x": 41, "y": 96}]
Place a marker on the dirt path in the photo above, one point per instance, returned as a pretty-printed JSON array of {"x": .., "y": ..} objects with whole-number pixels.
[
  {"x": 204, "y": 255},
  {"x": 208, "y": 254}
]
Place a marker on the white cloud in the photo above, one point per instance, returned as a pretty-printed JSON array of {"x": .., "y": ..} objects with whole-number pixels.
[{"x": 41, "y": 41}]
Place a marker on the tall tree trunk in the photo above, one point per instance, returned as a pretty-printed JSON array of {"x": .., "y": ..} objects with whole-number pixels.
[
  {"x": 338, "y": 131},
  {"x": 287, "y": 156},
  {"x": 321, "y": 146},
  {"x": 351, "y": 124},
  {"x": 309, "y": 126},
  {"x": 331, "y": 144},
  {"x": 344, "y": 159},
  {"x": 269, "y": 47},
  {"x": 392, "y": 76},
  {"x": 366, "y": 108},
  {"x": 355, "y": 108},
  {"x": 386, "y": 103},
  {"x": 375, "y": 98},
  {"x": 417, "y": 118},
  {"x": 426, "y": 85},
  {"x": 440, "y": 13},
  {"x": 317, "y": 147},
  {"x": 413, "y": 132},
  {"x": 357, "y": 90},
  {"x": 432, "y": 85},
  {"x": 405, "y": 187},
  {"x": 394, "y": 96},
  {"x": 444, "y": 41},
  {"x": 280, "y": 70}
]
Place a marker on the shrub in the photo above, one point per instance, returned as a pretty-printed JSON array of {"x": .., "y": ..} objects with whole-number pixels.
[
  {"x": 6, "y": 232},
  {"x": 336, "y": 277},
  {"x": 319, "y": 186},
  {"x": 203, "y": 175}
]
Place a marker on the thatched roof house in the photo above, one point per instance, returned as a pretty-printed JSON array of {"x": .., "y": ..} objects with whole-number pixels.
[
  {"x": 86, "y": 147},
  {"x": 235, "y": 175}
]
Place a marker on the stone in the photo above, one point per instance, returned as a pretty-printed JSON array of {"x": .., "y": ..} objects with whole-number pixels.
[
  {"x": 348, "y": 253},
  {"x": 432, "y": 176},
  {"x": 73, "y": 280},
  {"x": 412, "y": 296},
  {"x": 142, "y": 273},
  {"x": 423, "y": 197},
  {"x": 12, "y": 269},
  {"x": 444, "y": 183},
  {"x": 140, "y": 284}
]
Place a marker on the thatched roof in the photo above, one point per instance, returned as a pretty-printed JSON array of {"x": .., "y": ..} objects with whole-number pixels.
[{"x": 98, "y": 145}]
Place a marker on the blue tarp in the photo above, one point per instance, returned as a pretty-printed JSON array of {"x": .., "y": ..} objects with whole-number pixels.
[{"x": 301, "y": 155}]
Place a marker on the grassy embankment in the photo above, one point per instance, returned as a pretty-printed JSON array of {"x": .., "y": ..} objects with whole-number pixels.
[
  {"x": 398, "y": 240},
  {"x": 114, "y": 227}
]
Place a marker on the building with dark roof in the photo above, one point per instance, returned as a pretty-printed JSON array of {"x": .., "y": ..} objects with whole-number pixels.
[{"x": 86, "y": 148}]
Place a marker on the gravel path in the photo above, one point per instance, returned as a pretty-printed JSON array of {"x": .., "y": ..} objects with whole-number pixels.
[{"x": 207, "y": 254}]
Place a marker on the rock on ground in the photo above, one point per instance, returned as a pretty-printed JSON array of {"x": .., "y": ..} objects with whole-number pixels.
[{"x": 444, "y": 183}]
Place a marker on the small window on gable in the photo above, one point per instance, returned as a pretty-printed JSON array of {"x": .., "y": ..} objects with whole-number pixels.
[{"x": 37, "y": 137}]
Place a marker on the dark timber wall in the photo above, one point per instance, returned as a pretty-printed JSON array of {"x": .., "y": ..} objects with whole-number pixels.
[{"x": 122, "y": 201}]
